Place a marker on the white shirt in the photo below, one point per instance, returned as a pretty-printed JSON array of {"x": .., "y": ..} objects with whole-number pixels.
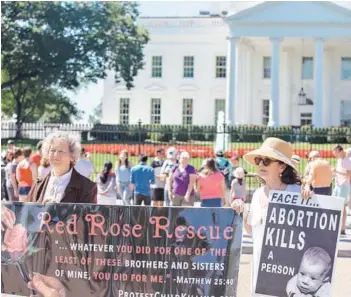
[
  {"x": 84, "y": 167},
  {"x": 57, "y": 186},
  {"x": 342, "y": 165},
  {"x": 256, "y": 219}
]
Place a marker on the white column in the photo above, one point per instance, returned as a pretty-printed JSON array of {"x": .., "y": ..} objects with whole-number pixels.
[
  {"x": 327, "y": 87},
  {"x": 285, "y": 105},
  {"x": 240, "y": 84},
  {"x": 231, "y": 80},
  {"x": 317, "y": 117},
  {"x": 274, "y": 101},
  {"x": 249, "y": 86}
]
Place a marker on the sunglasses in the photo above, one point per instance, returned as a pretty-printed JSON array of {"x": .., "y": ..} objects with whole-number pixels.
[{"x": 265, "y": 161}]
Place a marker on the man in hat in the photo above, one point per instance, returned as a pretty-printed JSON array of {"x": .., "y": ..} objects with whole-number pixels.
[
  {"x": 10, "y": 148},
  {"x": 158, "y": 188},
  {"x": 166, "y": 169},
  {"x": 320, "y": 175}
]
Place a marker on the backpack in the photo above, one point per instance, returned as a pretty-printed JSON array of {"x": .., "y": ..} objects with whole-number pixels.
[{"x": 224, "y": 169}]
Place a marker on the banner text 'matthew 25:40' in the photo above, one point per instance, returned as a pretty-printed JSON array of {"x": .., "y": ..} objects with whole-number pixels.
[{"x": 90, "y": 250}]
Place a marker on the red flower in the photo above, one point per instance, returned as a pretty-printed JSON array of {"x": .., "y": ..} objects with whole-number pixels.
[{"x": 16, "y": 241}]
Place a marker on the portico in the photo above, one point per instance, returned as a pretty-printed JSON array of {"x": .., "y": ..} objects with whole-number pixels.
[{"x": 319, "y": 23}]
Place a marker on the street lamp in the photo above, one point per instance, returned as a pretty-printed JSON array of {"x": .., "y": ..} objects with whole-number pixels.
[
  {"x": 139, "y": 135},
  {"x": 302, "y": 96}
]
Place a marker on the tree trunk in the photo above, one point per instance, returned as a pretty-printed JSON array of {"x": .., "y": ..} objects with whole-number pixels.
[{"x": 19, "y": 113}]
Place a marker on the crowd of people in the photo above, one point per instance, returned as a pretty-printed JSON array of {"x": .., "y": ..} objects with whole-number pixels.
[{"x": 170, "y": 179}]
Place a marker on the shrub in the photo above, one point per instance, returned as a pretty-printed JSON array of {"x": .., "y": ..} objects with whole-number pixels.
[
  {"x": 338, "y": 135},
  {"x": 182, "y": 133},
  {"x": 285, "y": 133},
  {"x": 247, "y": 133}
]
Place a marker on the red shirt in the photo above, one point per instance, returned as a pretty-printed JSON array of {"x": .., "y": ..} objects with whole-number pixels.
[{"x": 35, "y": 158}]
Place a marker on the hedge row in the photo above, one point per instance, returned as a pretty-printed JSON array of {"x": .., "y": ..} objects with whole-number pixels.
[{"x": 243, "y": 133}]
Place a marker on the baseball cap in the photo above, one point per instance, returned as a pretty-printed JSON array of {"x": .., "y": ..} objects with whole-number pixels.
[
  {"x": 239, "y": 172},
  {"x": 10, "y": 142},
  {"x": 171, "y": 152},
  {"x": 313, "y": 154},
  {"x": 219, "y": 153},
  {"x": 184, "y": 155}
]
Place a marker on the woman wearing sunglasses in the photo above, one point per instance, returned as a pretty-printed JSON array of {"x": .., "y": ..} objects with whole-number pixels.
[{"x": 277, "y": 171}]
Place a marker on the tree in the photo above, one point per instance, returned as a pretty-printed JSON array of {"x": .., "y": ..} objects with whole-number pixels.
[
  {"x": 66, "y": 44},
  {"x": 96, "y": 116},
  {"x": 40, "y": 103}
]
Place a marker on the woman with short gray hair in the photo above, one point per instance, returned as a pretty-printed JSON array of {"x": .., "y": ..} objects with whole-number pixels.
[{"x": 63, "y": 183}]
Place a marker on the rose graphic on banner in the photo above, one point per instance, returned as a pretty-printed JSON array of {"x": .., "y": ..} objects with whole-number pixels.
[
  {"x": 16, "y": 241},
  {"x": 17, "y": 245}
]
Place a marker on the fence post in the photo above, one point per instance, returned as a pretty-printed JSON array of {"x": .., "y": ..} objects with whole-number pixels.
[
  {"x": 224, "y": 135},
  {"x": 139, "y": 135},
  {"x": 311, "y": 137}
]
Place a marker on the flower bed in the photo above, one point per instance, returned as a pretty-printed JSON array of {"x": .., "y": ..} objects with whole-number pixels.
[{"x": 196, "y": 151}]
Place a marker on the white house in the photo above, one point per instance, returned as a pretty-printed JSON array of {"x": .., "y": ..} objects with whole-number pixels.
[{"x": 276, "y": 63}]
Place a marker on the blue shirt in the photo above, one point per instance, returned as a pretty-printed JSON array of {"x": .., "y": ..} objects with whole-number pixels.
[
  {"x": 142, "y": 176},
  {"x": 123, "y": 174}
]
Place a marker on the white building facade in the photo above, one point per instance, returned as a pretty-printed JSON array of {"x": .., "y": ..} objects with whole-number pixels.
[{"x": 276, "y": 63}]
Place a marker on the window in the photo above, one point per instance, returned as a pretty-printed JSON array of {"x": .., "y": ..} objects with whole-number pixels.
[
  {"x": 265, "y": 111},
  {"x": 266, "y": 67},
  {"x": 221, "y": 66},
  {"x": 124, "y": 111},
  {"x": 305, "y": 118},
  {"x": 346, "y": 68},
  {"x": 307, "y": 68},
  {"x": 156, "y": 66},
  {"x": 188, "y": 71},
  {"x": 219, "y": 106},
  {"x": 155, "y": 111},
  {"x": 345, "y": 113},
  {"x": 187, "y": 111}
]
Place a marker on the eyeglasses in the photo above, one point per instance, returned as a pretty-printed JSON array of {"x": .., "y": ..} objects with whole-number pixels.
[
  {"x": 265, "y": 161},
  {"x": 58, "y": 152}
]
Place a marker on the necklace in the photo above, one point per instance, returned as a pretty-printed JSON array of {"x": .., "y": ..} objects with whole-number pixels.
[{"x": 54, "y": 187}]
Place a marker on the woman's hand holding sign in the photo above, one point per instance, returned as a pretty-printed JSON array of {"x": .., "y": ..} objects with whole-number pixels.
[
  {"x": 47, "y": 286},
  {"x": 238, "y": 205},
  {"x": 7, "y": 218}
]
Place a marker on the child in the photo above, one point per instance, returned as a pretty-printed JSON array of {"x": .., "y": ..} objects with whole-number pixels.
[
  {"x": 238, "y": 186},
  {"x": 313, "y": 277}
]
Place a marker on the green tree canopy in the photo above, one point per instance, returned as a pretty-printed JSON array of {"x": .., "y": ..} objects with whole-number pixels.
[
  {"x": 66, "y": 43},
  {"x": 96, "y": 116},
  {"x": 41, "y": 103},
  {"x": 51, "y": 46}
]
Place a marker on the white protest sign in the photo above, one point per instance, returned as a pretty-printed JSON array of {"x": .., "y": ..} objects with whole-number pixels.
[{"x": 299, "y": 245}]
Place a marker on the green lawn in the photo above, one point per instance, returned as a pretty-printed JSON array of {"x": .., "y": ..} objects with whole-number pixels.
[{"x": 100, "y": 159}]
